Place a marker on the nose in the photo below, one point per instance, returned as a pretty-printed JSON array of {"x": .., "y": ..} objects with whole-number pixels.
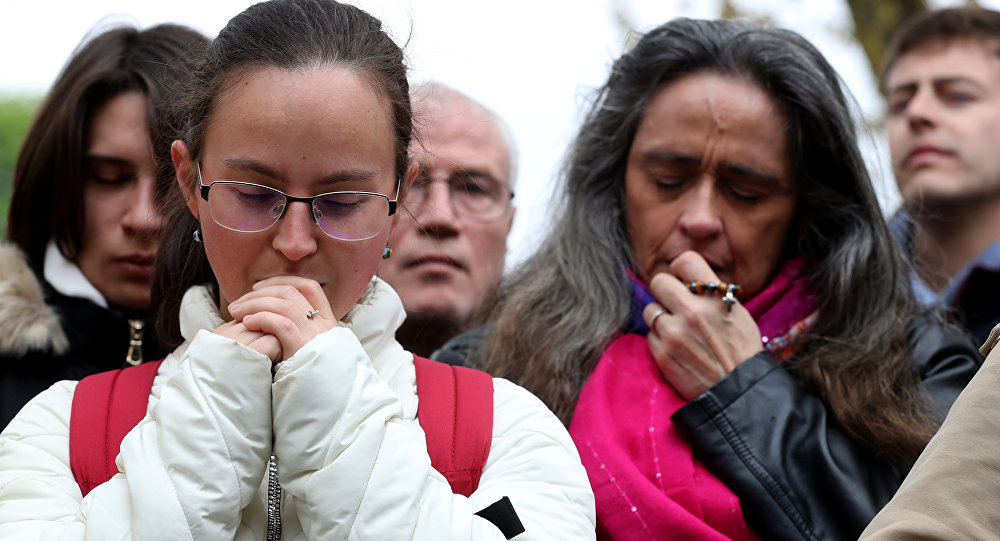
[
  {"x": 921, "y": 110},
  {"x": 436, "y": 216},
  {"x": 143, "y": 219},
  {"x": 295, "y": 237},
  {"x": 702, "y": 218}
]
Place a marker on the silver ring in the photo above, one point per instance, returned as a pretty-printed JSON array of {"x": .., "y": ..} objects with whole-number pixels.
[
  {"x": 656, "y": 314},
  {"x": 311, "y": 313}
]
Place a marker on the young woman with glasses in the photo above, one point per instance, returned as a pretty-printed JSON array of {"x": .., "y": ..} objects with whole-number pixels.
[
  {"x": 287, "y": 410},
  {"x": 83, "y": 225}
]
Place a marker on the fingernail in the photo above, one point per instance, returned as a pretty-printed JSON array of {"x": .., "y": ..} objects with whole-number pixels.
[{"x": 233, "y": 306}]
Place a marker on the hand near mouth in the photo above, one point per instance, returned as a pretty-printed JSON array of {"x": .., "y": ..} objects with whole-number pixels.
[
  {"x": 695, "y": 340},
  {"x": 279, "y": 316}
]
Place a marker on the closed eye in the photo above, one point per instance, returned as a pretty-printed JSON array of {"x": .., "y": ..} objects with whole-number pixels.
[{"x": 668, "y": 183}]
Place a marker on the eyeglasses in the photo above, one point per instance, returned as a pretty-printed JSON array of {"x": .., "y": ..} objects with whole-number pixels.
[
  {"x": 473, "y": 196},
  {"x": 251, "y": 208}
]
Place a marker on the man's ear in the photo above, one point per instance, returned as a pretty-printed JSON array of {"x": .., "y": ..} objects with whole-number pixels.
[
  {"x": 184, "y": 169},
  {"x": 510, "y": 219},
  {"x": 411, "y": 173}
]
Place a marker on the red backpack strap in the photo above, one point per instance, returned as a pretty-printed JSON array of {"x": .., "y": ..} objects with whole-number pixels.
[
  {"x": 455, "y": 410},
  {"x": 106, "y": 406}
]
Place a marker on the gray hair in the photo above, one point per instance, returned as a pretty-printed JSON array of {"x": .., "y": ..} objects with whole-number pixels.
[
  {"x": 557, "y": 312},
  {"x": 434, "y": 93}
]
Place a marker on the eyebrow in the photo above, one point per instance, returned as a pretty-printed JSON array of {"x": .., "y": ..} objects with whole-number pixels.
[
  {"x": 687, "y": 159},
  {"x": 110, "y": 160},
  {"x": 910, "y": 86},
  {"x": 333, "y": 178},
  {"x": 471, "y": 171}
]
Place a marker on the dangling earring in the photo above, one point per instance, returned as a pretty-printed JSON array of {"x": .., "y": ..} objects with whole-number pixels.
[
  {"x": 197, "y": 236},
  {"x": 387, "y": 253}
]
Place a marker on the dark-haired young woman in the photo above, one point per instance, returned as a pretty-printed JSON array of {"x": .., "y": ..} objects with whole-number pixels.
[{"x": 83, "y": 226}]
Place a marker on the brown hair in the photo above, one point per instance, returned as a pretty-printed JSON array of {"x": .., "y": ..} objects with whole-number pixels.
[
  {"x": 942, "y": 26},
  {"x": 287, "y": 34},
  {"x": 47, "y": 199}
]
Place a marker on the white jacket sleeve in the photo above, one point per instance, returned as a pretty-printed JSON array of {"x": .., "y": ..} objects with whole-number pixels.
[
  {"x": 187, "y": 469},
  {"x": 357, "y": 469}
]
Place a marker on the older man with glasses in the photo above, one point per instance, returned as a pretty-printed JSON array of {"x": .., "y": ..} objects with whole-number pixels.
[{"x": 450, "y": 240}]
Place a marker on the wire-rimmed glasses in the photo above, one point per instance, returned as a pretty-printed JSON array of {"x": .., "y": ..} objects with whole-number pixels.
[
  {"x": 251, "y": 208},
  {"x": 473, "y": 196}
]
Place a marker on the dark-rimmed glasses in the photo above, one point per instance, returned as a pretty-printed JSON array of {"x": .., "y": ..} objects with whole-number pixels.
[
  {"x": 251, "y": 208},
  {"x": 473, "y": 196}
]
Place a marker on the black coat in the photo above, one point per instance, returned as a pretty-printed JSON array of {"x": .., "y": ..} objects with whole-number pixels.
[
  {"x": 776, "y": 446},
  {"x": 98, "y": 338}
]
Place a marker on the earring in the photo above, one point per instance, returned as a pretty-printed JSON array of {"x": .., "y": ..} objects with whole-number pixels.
[
  {"x": 197, "y": 236},
  {"x": 387, "y": 253}
]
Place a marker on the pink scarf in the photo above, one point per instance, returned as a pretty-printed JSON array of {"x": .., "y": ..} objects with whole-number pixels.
[{"x": 647, "y": 482}]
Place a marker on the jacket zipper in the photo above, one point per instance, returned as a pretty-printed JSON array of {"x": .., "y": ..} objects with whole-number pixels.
[
  {"x": 273, "y": 500},
  {"x": 134, "y": 355}
]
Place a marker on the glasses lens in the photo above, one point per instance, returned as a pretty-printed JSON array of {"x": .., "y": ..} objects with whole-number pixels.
[
  {"x": 479, "y": 197},
  {"x": 416, "y": 193},
  {"x": 351, "y": 215},
  {"x": 245, "y": 207}
]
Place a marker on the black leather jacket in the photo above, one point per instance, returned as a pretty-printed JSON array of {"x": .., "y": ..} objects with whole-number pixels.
[{"x": 776, "y": 446}]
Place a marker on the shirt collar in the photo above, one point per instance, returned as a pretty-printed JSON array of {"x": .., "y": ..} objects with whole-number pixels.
[
  {"x": 901, "y": 226},
  {"x": 66, "y": 277}
]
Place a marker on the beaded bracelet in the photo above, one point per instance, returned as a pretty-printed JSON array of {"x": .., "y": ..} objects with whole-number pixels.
[{"x": 728, "y": 291}]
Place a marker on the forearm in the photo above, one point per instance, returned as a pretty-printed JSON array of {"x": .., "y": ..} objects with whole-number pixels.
[{"x": 206, "y": 439}]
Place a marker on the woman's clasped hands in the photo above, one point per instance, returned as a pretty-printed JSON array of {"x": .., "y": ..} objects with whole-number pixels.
[
  {"x": 696, "y": 341},
  {"x": 279, "y": 316}
]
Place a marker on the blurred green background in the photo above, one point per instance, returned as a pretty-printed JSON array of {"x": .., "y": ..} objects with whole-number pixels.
[{"x": 15, "y": 116}]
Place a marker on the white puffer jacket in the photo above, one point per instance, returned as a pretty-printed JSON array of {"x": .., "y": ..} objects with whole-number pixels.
[{"x": 352, "y": 461}]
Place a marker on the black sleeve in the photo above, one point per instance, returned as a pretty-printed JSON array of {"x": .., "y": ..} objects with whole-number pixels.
[
  {"x": 462, "y": 350},
  {"x": 778, "y": 448},
  {"x": 22, "y": 377}
]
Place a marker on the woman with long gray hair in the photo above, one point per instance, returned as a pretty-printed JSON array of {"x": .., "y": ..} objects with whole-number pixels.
[{"x": 720, "y": 311}]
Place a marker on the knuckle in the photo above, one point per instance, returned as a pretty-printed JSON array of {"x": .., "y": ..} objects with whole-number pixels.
[
  {"x": 683, "y": 260},
  {"x": 286, "y": 326},
  {"x": 659, "y": 281},
  {"x": 287, "y": 306},
  {"x": 693, "y": 316},
  {"x": 671, "y": 340}
]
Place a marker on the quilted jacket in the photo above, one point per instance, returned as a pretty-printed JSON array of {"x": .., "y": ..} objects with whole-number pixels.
[{"x": 340, "y": 418}]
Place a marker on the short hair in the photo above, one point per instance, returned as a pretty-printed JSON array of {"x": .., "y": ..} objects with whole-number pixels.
[
  {"x": 941, "y": 26},
  {"x": 285, "y": 34},
  {"x": 47, "y": 198},
  {"x": 434, "y": 92}
]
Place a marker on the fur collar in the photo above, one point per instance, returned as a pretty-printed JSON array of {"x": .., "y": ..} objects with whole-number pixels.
[{"x": 26, "y": 322}]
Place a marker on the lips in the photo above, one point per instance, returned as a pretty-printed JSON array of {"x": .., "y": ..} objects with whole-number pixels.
[
  {"x": 923, "y": 155},
  {"x": 435, "y": 262},
  {"x": 137, "y": 266},
  {"x": 292, "y": 273}
]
